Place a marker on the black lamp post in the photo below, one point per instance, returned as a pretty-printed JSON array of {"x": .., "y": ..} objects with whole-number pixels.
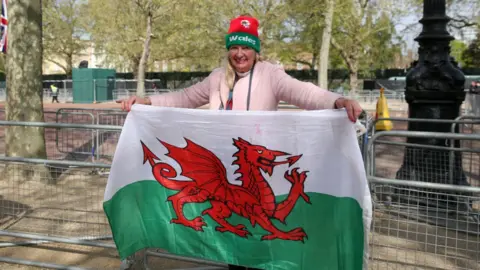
[{"x": 434, "y": 90}]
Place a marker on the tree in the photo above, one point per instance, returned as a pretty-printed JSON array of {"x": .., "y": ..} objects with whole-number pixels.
[
  {"x": 2, "y": 63},
  {"x": 194, "y": 36},
  {"x": 325, "y": 49},
  {"x": 134, "y": 27},
  {"x": 382, "y": 46},
  {"x": 457, "y": 47},
  {"x": 118, "y": 35},
  {"x": 24, "y": 83},
  {"x": 357, "y": 24},
  {"x": 303, "y": 36},
  {"x": 147, "y": 10},
  {"x": 199, "y": 37},
  {"x": 314, "y": 21},
  {"x": 464, "y": 15},
  {"x": 362, "y": 36},
  {"x": 471, "y": 56},
  {"x": 64, "y": 31}
]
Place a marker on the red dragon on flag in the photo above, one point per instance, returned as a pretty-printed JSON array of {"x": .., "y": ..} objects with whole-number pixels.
[{"x": 254, "y": 199}]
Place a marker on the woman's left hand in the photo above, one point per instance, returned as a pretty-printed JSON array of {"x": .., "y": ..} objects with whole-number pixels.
[{"x": 352, "y": 106}]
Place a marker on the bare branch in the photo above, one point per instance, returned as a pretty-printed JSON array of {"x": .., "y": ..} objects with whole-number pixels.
[
  {"x": 342, "y": 52},
  {"x": 56, "y": 63},
  {"x": 462, "y": 23},
  {"x": 363, "y": 3},
  {"x": 296, "y": 60},
  {"x": 372, "y": 31}
]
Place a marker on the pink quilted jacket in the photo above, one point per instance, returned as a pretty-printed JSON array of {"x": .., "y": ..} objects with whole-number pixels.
[{"x": 270, "y": 85}]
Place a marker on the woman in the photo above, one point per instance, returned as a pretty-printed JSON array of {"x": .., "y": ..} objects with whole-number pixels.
[{"x": 248, "y": 83}]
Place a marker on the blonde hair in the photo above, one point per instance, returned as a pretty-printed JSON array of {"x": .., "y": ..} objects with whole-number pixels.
[{"x": 230, "y": 71}]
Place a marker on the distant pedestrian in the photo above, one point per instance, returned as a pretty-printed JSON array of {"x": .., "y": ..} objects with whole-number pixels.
[
  {"x": 471, "y": 100},
  {"x": 474, "y": 87},
  {"x": 54, "y": 93}
]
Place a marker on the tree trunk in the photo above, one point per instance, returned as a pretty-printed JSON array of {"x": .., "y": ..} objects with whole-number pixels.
[
  {"x": 325, "y": 48},
  {"x": 146, "y": 52},
  {"x": 69, "y": 63},
  {"x": 24, "y": 88},
  {"x": 2, "y": 63},
  {"x": 135, "y": 62},
  {"x": 353, "y": 77},
  {"x": 314, "y": 60}
]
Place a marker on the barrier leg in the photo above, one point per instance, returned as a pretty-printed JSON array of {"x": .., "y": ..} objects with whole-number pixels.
[{"x": 137, "y": 261}]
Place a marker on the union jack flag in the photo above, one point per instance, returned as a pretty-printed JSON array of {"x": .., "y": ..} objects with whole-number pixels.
[{"x": 3, "y": 27}]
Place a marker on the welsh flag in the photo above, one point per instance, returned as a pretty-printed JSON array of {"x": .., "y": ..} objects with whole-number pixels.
[{"x": 270, "y": 190}]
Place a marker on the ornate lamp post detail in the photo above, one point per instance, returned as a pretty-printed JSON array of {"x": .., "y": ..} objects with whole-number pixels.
[{"x": 434, "y": 90}]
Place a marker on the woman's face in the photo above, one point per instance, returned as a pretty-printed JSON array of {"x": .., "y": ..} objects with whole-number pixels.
[{"x": 241, "y": 57}]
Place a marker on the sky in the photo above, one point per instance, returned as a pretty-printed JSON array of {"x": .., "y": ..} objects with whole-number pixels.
[{"x": 409, "y": 36}]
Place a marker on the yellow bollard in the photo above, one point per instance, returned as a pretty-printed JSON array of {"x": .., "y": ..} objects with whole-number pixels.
[{"x": 382, "y": 112}]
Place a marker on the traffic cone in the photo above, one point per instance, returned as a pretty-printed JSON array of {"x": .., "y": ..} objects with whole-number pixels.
[{"x": 382, "y": 112}]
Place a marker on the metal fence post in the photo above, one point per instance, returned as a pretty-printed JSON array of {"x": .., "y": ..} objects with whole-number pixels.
[
  {"x": 65, "y": 94},
  {"x": 95, "y": 91},
  {"x": 137, "y": 261}
]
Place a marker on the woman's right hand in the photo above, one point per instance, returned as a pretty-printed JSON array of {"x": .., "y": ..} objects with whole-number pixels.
[{"x": 126, "y": 104}]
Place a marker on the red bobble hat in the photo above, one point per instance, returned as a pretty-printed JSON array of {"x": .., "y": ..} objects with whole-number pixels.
[{"x": 243, "y": 31}]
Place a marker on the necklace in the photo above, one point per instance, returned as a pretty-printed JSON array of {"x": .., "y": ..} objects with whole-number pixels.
[{"x": 230, "y": 96}]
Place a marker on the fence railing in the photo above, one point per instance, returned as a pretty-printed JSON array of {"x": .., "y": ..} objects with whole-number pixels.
[
  {"x": 373, "y": 95},
  {"x": 416, "y": 224},
  {"x": 124, "y": 88},
  {"x": 57, "y": 201},
  {"x": 99, "y": 144},
  {"x": 65, "y": 93},
  {"x": 423, "y": 220}
]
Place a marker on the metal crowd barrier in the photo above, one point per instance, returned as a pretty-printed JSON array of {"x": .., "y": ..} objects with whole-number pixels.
[
  {"x": 405, "y": 233},
  {"x": 68, "y": 211},
  {"x": 418, "y": 224},
  {"x": 58, "y": 201},
  {"x": 97, "y": 144},
  {"x": 472, "y": 104},
  {"x": 465, "y": 124}
]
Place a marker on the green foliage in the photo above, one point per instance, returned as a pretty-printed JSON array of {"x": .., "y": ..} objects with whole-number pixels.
[
  {"x": 178, "y": 32},
  {"x": 64, "y": 35},
  {"x": 193, "y": 36},
  {"x": 2, "y": 63},
  {"x": 471, "y": 56},
  {"x": 457, "y": 48},
  {"x": 192, "y": 32},
  {"x": 303, "y": 32},
  {"x": 379, "y": 49},
  {"x": 363, "y": 36},
  {"x": 116, "y": 29}
]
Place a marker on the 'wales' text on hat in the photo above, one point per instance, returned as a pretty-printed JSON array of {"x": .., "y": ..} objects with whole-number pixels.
[{"x": 240, "y": 38}]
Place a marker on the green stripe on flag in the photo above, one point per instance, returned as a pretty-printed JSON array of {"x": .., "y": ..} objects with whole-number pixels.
[{"x": 140, "y": 216}]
